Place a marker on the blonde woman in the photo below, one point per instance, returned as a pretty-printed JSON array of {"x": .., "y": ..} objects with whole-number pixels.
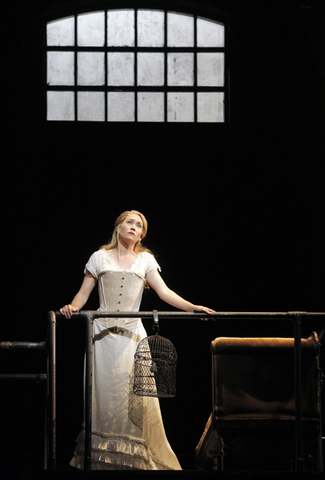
[{"x": 127, "y": 430}]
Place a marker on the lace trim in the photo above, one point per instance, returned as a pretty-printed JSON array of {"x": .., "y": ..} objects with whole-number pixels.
[{"x": 118, "y": 452}]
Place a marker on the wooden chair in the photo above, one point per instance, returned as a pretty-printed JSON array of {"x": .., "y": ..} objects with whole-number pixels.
[{"x": 252, "y": 424}]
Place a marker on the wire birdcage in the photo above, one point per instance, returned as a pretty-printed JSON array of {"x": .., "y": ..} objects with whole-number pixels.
[{"x": 155, "y": 368}]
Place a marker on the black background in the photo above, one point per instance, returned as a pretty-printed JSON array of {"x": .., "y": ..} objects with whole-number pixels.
[{"x": 235, "y": 211}]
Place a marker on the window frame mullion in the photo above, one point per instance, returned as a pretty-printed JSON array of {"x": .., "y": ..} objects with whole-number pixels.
[
  {"x": 136, "y": 92},
  {"x": 106, "y": 67},
  {"x": 76, "y": 68},
  {"x": 195, "y": 69},
  {"x": 165, "y": 68}
]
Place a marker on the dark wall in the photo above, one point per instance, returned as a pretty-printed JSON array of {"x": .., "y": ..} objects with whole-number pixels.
[{"x": 235, "y": 211}]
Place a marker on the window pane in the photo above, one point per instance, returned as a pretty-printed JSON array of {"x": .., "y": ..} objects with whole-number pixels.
[
  {"x": 210, "y": 34},
  {"x": 210, "y": 69},
  {"x": 91, "y": 106},
  {"x": 60, "y": 106},
  {"x": 180, "y": 107},
  {"x": 120, "y": 28},
  {"x": 180, "y": 30},
  {"x": 91, "y": 29},
  {"x": 151, "y": 28},
  {"x": 60, "y": 68},
  {"x": 180, "y": 69},
  {"x": 150, "y": 107},
  {"x": 120, "y": 106},
  {"x": 210, "y": 107},
  {"x": 151, "y": 69},
  {"x": 120, "y": 68},
  {"x": 60, "y": 33},
  {"x": 91, "y": 68}
]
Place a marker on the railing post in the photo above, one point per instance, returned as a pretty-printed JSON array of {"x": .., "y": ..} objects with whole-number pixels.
[
  {"x": 297, "y": 317},
  {"x": 51, "y": 391},
  {"x": 88, "y": 391}
]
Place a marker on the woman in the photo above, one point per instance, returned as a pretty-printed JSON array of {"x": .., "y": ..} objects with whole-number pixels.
[{"x": 127, "y": 430}]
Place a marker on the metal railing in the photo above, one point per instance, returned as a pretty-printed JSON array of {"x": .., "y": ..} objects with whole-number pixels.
[
  {"x": 89, "y": 317},
  {"x": 38, "y": 377}
]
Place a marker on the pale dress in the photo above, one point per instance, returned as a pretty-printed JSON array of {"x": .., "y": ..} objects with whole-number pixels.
[{"x": 127, "y": 430}]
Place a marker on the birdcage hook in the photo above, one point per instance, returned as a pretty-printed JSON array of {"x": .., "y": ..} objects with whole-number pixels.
[{"x": 155, "y": 325}]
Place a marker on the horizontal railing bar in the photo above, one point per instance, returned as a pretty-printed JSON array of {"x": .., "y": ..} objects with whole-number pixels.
[
  {"x": 24, "y": 345},
  {"x": 24, "y": 376},
  {"x": 191, "y": 315}
]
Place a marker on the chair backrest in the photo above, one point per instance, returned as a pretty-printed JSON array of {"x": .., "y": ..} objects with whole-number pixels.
[{"x": 255, "y": 377}]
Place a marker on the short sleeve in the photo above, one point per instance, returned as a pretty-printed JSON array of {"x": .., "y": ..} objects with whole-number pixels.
[
  {"x": 151, "y": 264},
  {"x": 93, "y": 264}
]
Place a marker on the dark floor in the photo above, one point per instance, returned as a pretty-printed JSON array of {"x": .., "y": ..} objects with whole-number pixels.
[
  {"x": 254, "y": 468},
  {"x": 186, "y": 474}
]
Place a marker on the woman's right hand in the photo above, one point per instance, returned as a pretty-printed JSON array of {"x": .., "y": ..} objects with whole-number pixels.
[{"x": 68, "y": 310}]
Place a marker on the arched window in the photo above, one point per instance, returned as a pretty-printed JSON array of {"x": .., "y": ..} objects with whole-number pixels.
[{"x": 136, "y": 65}]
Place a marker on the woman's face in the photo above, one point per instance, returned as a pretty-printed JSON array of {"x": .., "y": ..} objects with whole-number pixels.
[{"x": 131, "y": 230}]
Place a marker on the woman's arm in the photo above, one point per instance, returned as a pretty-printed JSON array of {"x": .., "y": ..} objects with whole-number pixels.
[
  {"x": 82, "y": 296},
  {"x": 156, "y": 282}
]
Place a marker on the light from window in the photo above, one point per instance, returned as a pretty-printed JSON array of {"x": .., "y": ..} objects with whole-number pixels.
[{"x": 133, "y": 65}]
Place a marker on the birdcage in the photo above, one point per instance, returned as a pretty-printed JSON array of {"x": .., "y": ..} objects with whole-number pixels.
[{"x": 155, "y": 367}]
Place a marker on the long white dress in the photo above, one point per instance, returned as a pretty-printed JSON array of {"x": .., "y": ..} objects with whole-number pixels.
[{"x": 127, "y": 430}]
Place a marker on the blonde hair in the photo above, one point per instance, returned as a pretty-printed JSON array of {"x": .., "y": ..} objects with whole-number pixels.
[{"x": 114, "y": 243}]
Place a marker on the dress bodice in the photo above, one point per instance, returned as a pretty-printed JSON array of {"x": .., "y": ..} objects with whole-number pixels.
[
  {"x": 120, "y": 292},
  {"x": 120, "y": 289}
]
